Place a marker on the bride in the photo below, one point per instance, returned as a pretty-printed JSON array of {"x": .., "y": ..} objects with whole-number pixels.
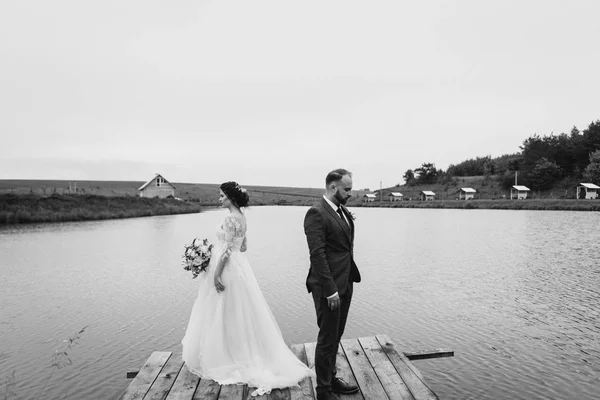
[{"x": 232, "y": 336}]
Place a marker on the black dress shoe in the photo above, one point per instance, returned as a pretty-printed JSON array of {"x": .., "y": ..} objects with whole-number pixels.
[
  {"x": 339, "y": 386},
  {"x": 327, "y": 396}
]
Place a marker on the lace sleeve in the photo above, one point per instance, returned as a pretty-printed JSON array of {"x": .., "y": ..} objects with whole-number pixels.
[{"x": 232, "y": 229}]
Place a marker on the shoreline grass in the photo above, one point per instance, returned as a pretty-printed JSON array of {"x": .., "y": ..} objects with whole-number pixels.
[
  {"x": 39, "y": 208},
  {"x": 499, "y": 204},
  {"x": 33, "y": 208}
]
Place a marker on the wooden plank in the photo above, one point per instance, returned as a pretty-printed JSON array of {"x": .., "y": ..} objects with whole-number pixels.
[
  {"x": 310, "y": 361},
  {"x": 305, "y": 391},
  {"x": 392, "y": 383},
  {"x": 140, "y": 385},
  {"x": 410, "y": 375},
  {"x": 248, "y": 393},
  {"x": 185, "y": 385},
  {"x": 278, "y": 394},
  {"x": 344, "y": 371},
  {"x": 374, "y": 363},
  {"x": 426, "y": 354},
  {"x": 207, "y": 390},
  {"x": 232, "y": 392},
  {"x": 408, "y": 363},
  {"x": 165, "y": 380},
  {"x": 363, "y": 371}
]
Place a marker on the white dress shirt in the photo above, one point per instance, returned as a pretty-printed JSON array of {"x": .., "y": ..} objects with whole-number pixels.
[{"x": 334, "y": 208}]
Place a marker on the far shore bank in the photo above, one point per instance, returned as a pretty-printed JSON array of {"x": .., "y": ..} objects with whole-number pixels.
[
  {"x": 498, "y": 204},
  {"x": 33, "y": 208}
]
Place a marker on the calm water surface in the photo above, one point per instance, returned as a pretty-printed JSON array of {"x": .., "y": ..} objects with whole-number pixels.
[{"x": 516, "y": 294}]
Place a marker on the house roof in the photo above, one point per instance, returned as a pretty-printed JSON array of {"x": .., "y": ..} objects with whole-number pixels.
[
  {"x": 520, "y": 188},
  {"x": 151, "y": 180},
  {"x": 590, "y": 185},
  {"x": 428, "y": 193},
  {"x": 468, "y": 190},
  {"x": 396, "y": 194},
  {"x": 369, "y": 195}
]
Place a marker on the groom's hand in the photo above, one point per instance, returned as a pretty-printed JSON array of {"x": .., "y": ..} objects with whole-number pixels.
[{"x": 334, "y": 302}]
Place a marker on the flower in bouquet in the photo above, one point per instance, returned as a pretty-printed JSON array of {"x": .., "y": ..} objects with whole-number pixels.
[{"x": 196, "y": 256}]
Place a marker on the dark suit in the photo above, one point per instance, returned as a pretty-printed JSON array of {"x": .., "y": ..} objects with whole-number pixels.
[{"x": 332, "y": 269}]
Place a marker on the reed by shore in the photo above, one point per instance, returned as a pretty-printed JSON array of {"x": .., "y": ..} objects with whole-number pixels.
[{"x": 30, "y": 208}]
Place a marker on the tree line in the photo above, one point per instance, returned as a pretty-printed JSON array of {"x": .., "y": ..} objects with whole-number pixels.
[{"x": 542, "y": 163}]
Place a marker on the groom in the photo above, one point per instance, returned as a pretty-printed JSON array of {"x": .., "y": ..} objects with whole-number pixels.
[{"x": 329, "y": 229}]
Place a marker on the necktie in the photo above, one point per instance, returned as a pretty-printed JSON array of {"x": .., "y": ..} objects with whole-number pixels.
[{"x": 339, "y": 211}]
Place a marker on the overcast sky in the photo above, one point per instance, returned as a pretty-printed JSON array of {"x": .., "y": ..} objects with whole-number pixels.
[{"x": 280, "y": 92}]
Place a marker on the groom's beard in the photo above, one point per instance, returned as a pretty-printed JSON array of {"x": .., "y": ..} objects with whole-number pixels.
[{"x": 339, "y": 197}]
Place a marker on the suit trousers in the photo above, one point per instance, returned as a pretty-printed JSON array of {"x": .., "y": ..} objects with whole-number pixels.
[{"x": 331, "y": 328}]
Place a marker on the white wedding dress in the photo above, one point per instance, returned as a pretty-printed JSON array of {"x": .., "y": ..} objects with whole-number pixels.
[{"x": 232, "y": 336}]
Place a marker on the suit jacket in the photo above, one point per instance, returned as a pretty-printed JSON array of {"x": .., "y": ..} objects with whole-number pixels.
[{"x": 331, "y": 246}]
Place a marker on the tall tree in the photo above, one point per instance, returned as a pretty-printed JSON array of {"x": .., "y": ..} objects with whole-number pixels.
[
  {"x": 592, "y": 172},
  {"x": 591, "y": 136},
  {"x": 583, "y": 144},
  {"x": 470, "y": 167},
  {"x": 409, "y": 177},
  {"x": 544, "y": 174},
  {"x": 427, "y": 173}
]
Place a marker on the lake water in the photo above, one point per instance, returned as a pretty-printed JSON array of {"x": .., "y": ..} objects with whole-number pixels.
[{"x": 516, "y": 294}]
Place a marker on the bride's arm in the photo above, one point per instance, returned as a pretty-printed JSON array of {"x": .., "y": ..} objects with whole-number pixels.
[
  {"x": 230, "y": 226},
  {"x": 219, "y": 270},
  {"x": 244, "y": 246},
  {"x": 217, "y": 277}
]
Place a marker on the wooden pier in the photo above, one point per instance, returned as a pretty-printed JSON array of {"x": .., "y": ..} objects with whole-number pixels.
[{"x": 373, "y": 363}]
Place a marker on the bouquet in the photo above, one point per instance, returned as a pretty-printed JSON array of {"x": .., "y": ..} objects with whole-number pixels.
[{"x": 196, "y": 256}]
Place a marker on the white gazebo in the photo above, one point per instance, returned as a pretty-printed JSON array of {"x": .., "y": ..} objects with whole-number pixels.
[
  {"x": 466, "y": 193},
  {"x": 426, "y": 195},
  {"x": 521, "y": 191},
  {"x": 396, "y": 196},
  {"x": 369, "y": 198},
  {"x": 591, "y": 190}
]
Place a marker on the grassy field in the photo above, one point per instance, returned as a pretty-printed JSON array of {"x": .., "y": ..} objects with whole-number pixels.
[
  {"x": 29, "y": 208},
  {"x": 488, "y": 188},
  {"x": 490, "y": 195},
  {"x": 202, "y": 193},
  {"x": 499, "y": 204},
  {"x": 25, "y": 201}
]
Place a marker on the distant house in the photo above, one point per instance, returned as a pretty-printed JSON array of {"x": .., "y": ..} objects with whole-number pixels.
[
  {"x": 369, "y": 198},
  {"x": 466, "y": 193},
  {"x": 395, "y": 196},
  {"x": 426, "y": 195},
  {"x": 157, "y": 187},
  {"x": 520, "y": 191},
  {"x": 591, "y": 190}
]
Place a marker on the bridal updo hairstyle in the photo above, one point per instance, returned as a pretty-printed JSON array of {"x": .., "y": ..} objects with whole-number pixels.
[{"x": 234, "y": 192}]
